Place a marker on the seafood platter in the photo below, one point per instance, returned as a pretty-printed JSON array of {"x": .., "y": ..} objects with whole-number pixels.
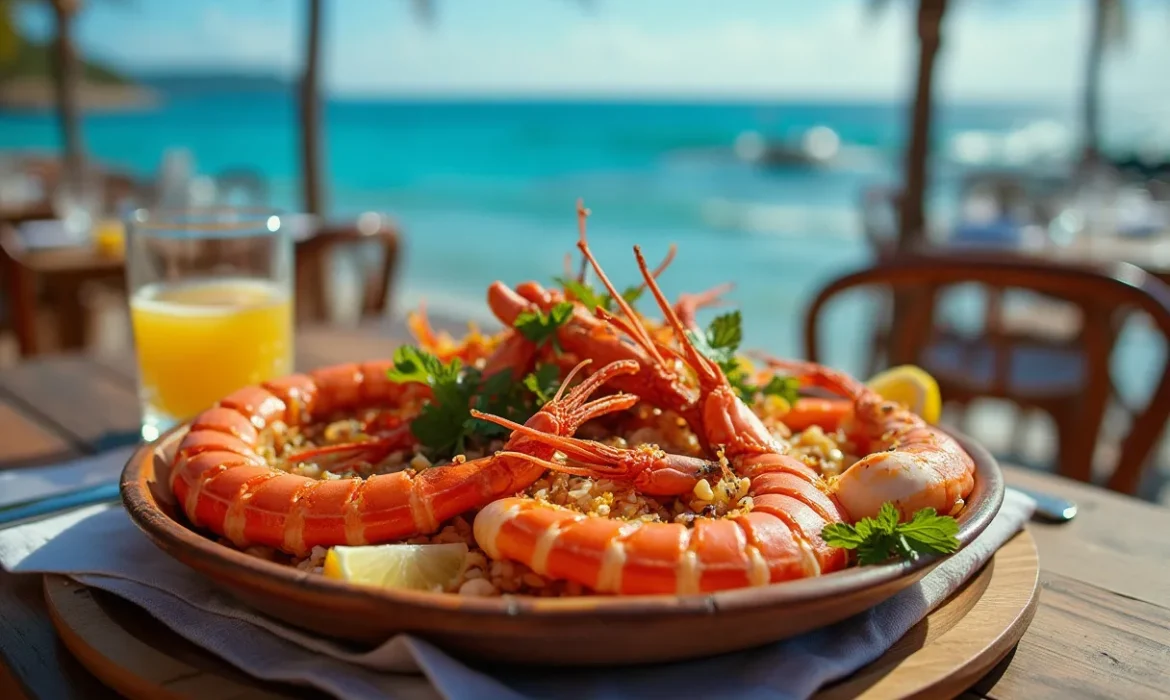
[{"x": 603, "y": 481}]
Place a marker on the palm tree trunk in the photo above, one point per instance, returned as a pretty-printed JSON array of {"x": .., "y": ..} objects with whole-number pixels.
[
  {"x": 310, "y": 98},
  {"x": 912, "y": 215},
  {"x": 67, "y": 85},
  {"x": 1090, "y": 113}
]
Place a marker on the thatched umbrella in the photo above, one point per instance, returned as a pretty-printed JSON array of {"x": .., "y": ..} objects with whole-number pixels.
[{"x": 9, "y": 37}]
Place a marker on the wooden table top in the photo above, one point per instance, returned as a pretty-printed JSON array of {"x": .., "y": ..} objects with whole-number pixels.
[{"x": 1102, "y": 628}]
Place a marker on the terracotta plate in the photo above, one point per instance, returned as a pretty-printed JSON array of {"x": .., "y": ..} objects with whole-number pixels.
[{"x": 595, "y": 630}]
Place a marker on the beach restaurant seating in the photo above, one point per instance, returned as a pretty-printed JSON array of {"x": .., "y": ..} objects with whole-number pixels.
[
  {"x": 1068, "y": 380},
  {"x": 375, "y": 232}
]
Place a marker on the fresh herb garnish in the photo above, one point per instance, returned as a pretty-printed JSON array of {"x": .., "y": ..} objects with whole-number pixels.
[
  {"x": 500, "y": 395},
  {"x": 879, "y": 539},
  {"x": 787, "y": 388},
  {"x": 439, "y": 425},
  {"x": 543, "y": 382},
  {"x": 593, "y": 299},
  {"x": 414, "y": 365},
  {"x": 444, "y": 424},
  {"x": 720, "y": 342},
  {"x": 541, "y": 327}
]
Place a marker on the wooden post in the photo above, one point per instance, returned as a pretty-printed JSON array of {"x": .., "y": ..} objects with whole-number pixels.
[
  {"x": 310, "y": 99},
  {"x": 1090, "y": 114},
  {"x": 912, "y": 215},
  {"x": 67, "y": 84}
]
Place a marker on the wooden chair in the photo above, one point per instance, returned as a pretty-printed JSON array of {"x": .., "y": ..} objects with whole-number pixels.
[
  {"x": 1071, "y": 386},
  {"x": 313, "y": 257},
  {"x": 46, "y": 288}
]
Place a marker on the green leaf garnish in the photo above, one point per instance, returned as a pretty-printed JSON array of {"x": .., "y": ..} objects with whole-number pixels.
[
  {"x": 584, "y": 293},
  {"x": 543, "y": 382},
  {"x": 726, "y": 332},
  {"x": 414, "y": 365},
  {"x": 541, "y": 327},
  {"x": 721, "y": 339},
  {"x": 632, "y": 294},
  {"x": 445, "y": 424},
  {"x": 877, "y": 540},
  {"x": 787, "y": 388},
  {"x": 592, "y": 299}
]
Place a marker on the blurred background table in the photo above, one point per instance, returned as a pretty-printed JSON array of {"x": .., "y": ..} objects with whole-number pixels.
[
  {"x": 63, "y": 297},
  {"x": 1102, "y": 628}
]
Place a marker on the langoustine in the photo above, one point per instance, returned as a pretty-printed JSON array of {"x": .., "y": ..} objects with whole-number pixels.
[
  {"x": 223, "y": 485},
  {"x": 778, "y": 540}
]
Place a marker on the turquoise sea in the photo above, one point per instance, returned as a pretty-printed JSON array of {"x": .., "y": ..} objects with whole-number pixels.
[{"x": 485, "y": 190}]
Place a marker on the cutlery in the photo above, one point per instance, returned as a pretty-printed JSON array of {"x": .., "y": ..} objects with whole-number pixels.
[
  {"x": 45, "y": 506},
  {"x": 1050, "y": 508}
]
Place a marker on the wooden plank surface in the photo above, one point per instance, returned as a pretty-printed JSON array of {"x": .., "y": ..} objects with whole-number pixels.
[
  {"x": 1101, "y": 629},
  {"x": 35, "y": 664},
  {"x": 23, "y": 441},
  {"x": 1087, "y": 641},
  {"x": 1116, "y": 542},
  {"x": 74, "y": 396}
]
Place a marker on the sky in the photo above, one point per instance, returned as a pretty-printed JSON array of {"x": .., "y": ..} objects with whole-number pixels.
[{"x": 998, "y": 50}]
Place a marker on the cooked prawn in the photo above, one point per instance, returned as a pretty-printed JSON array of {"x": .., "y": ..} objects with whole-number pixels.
[
  {"x": 778, "y": 540},
  {"x": 225, "y": 486},
  {"x": 908, "y": 462}
]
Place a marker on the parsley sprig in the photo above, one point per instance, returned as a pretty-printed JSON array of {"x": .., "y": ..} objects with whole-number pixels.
[
  {"x": 541, "y": 327},
  {"x": 444, "y": 425},
  {"x": 592, "y": 299},
  {"x": 720, "y": 342},
  {"x": 877, "y": 540}
]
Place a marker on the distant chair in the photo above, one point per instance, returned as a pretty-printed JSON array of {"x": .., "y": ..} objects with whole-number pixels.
[
  {"x": 313, "y": 253},
  {"x": 1068, "y": 380}
]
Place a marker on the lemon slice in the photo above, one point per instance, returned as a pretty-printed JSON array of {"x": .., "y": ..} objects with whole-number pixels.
[
  {"x": 911, "y": 386},
  {"x": 421, "y": 567}
]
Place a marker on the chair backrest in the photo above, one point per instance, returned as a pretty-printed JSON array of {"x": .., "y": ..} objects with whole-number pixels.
[
  {"x": 1099, "y": 290},
  {"x": 313, "y": 252}
]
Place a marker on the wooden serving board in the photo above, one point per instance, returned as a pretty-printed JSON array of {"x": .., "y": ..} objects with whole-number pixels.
[{"x": 941, "y": 656}]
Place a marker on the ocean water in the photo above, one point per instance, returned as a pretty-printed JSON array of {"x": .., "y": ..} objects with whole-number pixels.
[{"x": 486, "y": 190}]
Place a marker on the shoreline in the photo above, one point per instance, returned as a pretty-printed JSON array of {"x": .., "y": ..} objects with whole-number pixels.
[{"x": 35, "y": 95}]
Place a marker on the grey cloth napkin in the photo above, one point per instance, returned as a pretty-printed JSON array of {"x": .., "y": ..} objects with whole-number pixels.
[{"x": 101, "y": 548}]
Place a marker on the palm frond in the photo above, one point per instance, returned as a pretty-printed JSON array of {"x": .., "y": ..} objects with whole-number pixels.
[{"x": 9, "y": 37}]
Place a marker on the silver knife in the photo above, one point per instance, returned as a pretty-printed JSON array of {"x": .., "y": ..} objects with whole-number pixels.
[
  {"x": 35, "y": 508},
  {"x": 1050, "y": 508}
]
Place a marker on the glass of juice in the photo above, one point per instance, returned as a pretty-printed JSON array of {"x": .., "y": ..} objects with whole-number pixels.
[{"x": 211, "y": 306}]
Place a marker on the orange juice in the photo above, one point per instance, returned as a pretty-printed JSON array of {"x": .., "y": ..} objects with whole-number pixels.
[
  {"x": 109, "y": 236},
  {"x": 199, "y": 341}
]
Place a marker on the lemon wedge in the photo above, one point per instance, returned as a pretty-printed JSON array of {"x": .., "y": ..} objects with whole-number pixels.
[
  {"x": 911, "y": 386},
  {"x": 420, "y": 567}
]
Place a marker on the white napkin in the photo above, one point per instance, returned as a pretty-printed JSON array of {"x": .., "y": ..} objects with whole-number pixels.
[
  {"x": 101, "y": 548},
  {"x": 18, "y": 485}
]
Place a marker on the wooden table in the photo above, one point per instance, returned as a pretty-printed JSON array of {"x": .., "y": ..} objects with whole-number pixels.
[
  {"x": 25, "y": 270},
  {"x": 1102, "y": 628}
]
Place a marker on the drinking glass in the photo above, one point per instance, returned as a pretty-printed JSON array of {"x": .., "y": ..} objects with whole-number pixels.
[
  {"x": 211, "y": 306},
  {"x": 78, "y": 200}
]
